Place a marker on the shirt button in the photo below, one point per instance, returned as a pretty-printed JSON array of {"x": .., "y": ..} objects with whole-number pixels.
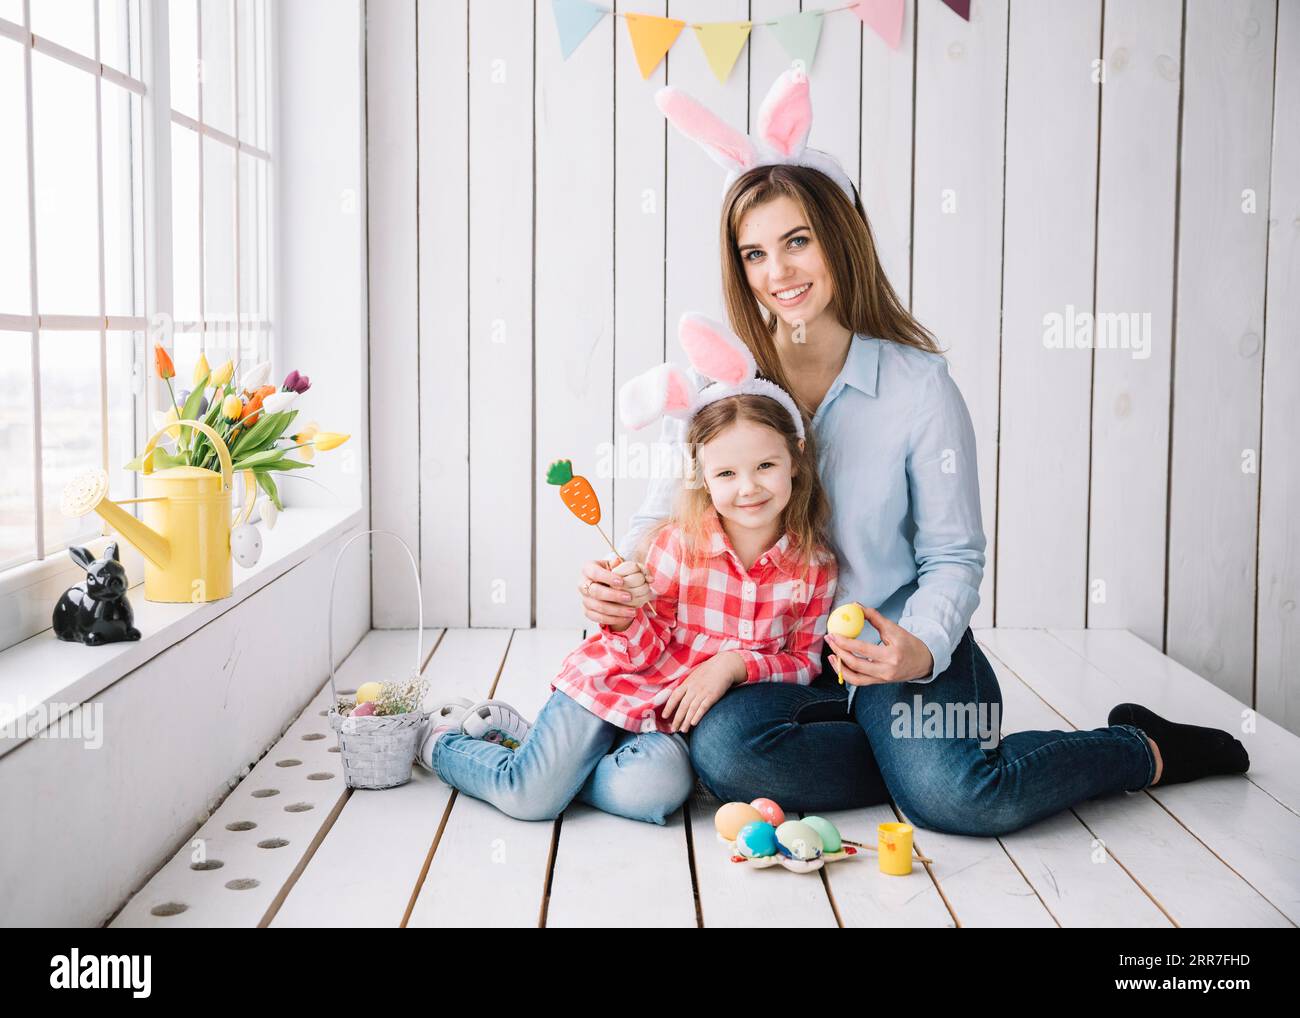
[
  {"x": 763, "y": 560},
  {"x": 749, "y": 588},
  {"x": 746, "y": 629}
]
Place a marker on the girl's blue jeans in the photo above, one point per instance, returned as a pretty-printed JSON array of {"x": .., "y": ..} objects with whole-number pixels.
[
  {"x": 569, "y": 752},
  {"x": 800, "y": 746}
]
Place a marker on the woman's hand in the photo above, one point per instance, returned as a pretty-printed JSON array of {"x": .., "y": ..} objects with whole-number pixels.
[
  {"x": 898, "y": 656},
  {"x": 701, "y": 689},
  {"x": 606, "y": 599}
]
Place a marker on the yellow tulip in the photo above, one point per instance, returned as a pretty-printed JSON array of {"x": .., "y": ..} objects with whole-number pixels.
[
  {"x": 201, "y": 370},
  {"x": 222, "y": 375},
  {"x": 162, "y": 420},
  {"x": 327, "y": 440},
  {"x": 305, "y": 452},
  {"x": 232, "y": 408}
]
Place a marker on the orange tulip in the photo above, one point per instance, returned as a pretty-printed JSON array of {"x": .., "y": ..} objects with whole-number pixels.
[
  {"x": 251, "y": 411},
  {"x": 253, "y": 407},
  {"x": 163, "y": 362}
]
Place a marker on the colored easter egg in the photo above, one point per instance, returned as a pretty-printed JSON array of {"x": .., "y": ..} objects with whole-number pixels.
[
  {"x": 756, "y": 840},
  {"x": 829, "y": 834},
  {"x": 796, "y": 840},
  {"x": 769, "y": 811},
  {"x": 364, "y": 710},
  {"x": 246, "y": 545},
  {"x": 732, "y": 816},
  {"x": 368, "y": 691},
  {"x": 847, "y": 620}
]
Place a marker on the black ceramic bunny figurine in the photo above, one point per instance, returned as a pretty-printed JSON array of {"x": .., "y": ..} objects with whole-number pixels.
[{"x": 96, "y": 610}]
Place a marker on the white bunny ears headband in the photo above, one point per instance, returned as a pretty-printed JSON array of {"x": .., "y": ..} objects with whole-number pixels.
[
  {"x": 715, "y": 352},
  {"x": 780, "y": 137}
]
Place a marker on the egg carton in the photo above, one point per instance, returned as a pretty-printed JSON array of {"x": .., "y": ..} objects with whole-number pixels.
[{"x": 792, "y": 864}]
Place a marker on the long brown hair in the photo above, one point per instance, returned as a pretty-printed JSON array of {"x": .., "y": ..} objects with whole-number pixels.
[
  {"x": 806, "y": 516},
  {"x": 863, "y": 300}
]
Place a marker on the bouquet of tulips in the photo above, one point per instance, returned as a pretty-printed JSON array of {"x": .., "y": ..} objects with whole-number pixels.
[{"x": 253, "y": 419}]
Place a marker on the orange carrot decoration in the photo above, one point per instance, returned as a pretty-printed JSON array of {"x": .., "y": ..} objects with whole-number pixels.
[{"x": 578, "y": 495}]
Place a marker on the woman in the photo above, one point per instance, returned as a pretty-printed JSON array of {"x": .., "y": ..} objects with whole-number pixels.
[{"x": 805, "y": 291}]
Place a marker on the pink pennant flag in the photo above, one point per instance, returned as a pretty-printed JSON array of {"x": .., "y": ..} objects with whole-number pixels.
[{"x": 884, "y": 17}]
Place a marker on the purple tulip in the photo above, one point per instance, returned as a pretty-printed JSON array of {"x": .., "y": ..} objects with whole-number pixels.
[{"x": 294, "y": 382}]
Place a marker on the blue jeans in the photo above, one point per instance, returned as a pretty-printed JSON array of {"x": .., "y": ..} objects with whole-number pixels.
[
  {"x": 800, "y": 746},
  {"x": 570, "y": 752}
]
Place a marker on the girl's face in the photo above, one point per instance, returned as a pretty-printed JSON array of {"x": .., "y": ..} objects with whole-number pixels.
[
  {"x": 783, "y": 262},
  {"x": 748, "y": 473}
]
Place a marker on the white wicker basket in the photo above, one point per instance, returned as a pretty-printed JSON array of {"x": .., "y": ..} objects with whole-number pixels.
[{"x": 377, "y": 751}]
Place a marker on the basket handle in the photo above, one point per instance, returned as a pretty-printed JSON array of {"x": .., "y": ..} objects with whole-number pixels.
[{"x": 419, "y": 600}]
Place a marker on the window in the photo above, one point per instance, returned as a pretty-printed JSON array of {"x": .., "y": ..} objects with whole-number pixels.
[
  {"x": 220, "y": 169},
  {"x": 84, "y": 224}
]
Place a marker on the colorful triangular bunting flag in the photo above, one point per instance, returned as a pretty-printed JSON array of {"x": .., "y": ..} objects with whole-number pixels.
[
  {"x": 722, "y": 42},
  {"x": 575, "y": 19},
  {"x": 884, "y": 17},
  {"x": 962, "y": 7},
  {"x": 799, "y": 35},
  {"x": 651, "y": 39}
]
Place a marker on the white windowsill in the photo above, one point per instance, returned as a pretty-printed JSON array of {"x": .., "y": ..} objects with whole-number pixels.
[{"x": 45, "y": 670}]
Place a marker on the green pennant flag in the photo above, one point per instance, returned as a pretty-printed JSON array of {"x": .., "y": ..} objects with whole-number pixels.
[{"x": 799, "y": 35}]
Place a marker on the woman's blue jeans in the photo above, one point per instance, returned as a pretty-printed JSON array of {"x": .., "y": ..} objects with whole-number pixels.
[
  {"x": 568, "y": 753},
  {"x": 921, "y": 743}
]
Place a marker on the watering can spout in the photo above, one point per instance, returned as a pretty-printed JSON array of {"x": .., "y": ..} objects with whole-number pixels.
[{"x": 89, "y": 493}]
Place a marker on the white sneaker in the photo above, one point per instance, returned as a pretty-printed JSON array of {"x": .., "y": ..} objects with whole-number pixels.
[
  {"x": 496, "y": 721},
  {"x": 446, "y": 717}
]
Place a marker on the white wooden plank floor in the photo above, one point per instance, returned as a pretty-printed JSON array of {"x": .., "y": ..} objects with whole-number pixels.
[{"x": 291, "y": 846}]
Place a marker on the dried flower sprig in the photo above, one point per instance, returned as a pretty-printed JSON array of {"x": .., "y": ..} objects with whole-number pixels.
[{"x": 399, "y": 696}]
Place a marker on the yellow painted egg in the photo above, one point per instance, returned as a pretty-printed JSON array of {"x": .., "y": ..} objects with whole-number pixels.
[
  {"x": 732, "y": 816},
  {"x": 368, "y": 691},
  {"x": 847, "y": 621}
]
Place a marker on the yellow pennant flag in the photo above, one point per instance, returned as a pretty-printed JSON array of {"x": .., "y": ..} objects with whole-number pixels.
[
  {"x": 722, "y": 42},
  {"x": 651, "y": 39}
]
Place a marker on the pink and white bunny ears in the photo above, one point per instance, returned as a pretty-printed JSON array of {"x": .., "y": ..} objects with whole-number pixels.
[
  {"x": 715, "y": 352},
  {"x": 781, "y": 135}
]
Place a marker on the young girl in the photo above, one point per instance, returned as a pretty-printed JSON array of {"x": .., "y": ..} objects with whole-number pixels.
[{"x": 736, "y": 587}]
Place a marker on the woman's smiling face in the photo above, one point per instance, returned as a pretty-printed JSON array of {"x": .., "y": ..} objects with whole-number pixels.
[{"x": 783, "y": 261}]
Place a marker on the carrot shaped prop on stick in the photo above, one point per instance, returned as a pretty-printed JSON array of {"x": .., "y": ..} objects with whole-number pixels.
[{"x": 577, "y": 493}]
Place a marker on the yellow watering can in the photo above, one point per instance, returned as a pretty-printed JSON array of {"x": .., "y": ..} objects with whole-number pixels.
[{"x": 185, "y": 533}]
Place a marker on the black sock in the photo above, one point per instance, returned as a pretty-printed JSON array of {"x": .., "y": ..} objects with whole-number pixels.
[{"x": 1187, "y": 752}]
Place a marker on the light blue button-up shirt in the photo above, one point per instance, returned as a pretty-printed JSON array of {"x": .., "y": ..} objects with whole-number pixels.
[{"x": 896, "y": 451}]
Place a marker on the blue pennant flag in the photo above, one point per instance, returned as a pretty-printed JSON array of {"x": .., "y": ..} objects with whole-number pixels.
[{"x": 575, "y": 19}]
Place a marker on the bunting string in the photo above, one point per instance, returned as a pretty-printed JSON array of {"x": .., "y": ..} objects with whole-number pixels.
[{"x": 652, "y": 36}]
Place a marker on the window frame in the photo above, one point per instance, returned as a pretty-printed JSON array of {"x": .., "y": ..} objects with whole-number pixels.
[{"x": 29, "y": 587}]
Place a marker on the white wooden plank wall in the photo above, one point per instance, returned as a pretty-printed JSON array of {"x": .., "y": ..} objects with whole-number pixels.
[
  {"x": 1219, "y": 341},
  {"x": 536, "y": 231}
]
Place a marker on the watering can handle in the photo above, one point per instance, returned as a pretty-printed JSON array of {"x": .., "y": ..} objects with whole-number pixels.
[
  {"x": 419, "y": 601},
  {"x": 223, "y": 454}
]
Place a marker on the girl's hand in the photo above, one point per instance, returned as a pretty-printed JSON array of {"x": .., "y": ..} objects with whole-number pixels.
[
  {"x": 635, "y": 583},
  {"x": 701, "y": 689},
  {"x": 898, "y": 656},
  {"x": 605, "y": 598}
]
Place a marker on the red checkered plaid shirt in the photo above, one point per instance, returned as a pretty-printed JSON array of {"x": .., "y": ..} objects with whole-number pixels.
[{"x": 774, "y": 616}]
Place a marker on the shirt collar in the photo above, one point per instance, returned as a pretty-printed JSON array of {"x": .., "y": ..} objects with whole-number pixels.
[
  {"x": 861, "y": 370},
  {"x": 719, "y": 544},
  {"x": 862, "y": 366}
]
